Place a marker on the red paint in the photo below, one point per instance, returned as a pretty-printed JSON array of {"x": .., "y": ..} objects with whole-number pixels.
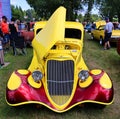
[{"x": 27, "y": 93}]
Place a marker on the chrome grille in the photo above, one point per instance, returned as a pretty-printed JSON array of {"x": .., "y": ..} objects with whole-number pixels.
[
  {"x": 60, "y": 79},
  {"x": 60, "y": 76}
]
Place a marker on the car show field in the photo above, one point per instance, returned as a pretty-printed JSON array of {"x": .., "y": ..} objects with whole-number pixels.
[
  {"x": 94, "y": 57},
  {"x": 60, "y": 76}
]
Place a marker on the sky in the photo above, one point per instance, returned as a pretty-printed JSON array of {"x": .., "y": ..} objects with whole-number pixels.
[{"x": 22, "y": 3}]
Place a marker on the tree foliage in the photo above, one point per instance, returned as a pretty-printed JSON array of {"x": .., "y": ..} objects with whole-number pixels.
[
  {"x": 110, "y": 8},
  {"x": 28, "y": 15},
  {"x": 17, "y": 12},
  {"x": 45, "y": 8}
]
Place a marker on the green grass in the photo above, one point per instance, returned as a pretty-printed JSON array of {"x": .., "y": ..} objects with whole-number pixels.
[{"x": 94, "y": 57}]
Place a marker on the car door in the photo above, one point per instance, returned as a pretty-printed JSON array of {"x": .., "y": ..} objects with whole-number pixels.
[{"x": 99, "y": 33}]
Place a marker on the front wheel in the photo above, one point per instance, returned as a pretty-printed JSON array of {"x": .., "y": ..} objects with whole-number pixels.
[
  {"x": 118, "y": 46},
  {"x": 92, "y": 37},
  {"x": 101, "y": 41}
]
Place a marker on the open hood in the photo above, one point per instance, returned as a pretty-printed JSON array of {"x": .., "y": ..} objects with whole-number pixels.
[
  {"x": 99, "y": 23},
  {"x": 52, "y": 32}
]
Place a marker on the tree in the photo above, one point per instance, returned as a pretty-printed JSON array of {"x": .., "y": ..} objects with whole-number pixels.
[
  {"x": 110, "y": 8},
  {"x": 45, "y": 8},
  {"x": 31, "y": 15},
  {"x": 28, "y": 15},
  {"x": 17, "y": 12}
]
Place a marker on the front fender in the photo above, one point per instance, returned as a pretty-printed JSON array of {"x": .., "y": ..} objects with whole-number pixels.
[{"x": 98, "y": 91}]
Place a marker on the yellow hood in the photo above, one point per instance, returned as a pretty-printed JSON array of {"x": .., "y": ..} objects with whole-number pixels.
[
  {"x": 52, "y": 32},
  {"x": 99, "y": 23}
]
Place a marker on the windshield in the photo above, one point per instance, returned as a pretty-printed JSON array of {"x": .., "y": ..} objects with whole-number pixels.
[
  {"x": 102, "y": 27},
  {"x": 69, "y": 33}
]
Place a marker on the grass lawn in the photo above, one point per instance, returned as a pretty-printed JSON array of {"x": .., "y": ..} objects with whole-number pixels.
[{"x": 94, "y": 57}]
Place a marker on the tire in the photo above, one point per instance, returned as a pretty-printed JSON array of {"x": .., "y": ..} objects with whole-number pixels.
[
  {"x": 118, "y": 46},
  {"x": 92, "y": 37},
  {"x": 101, "y": 41}
]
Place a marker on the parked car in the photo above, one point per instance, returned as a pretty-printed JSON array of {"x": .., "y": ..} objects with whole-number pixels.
[
  {"x": 27, "y": 31},
  {"x": 98, "y": 33},
  {"x": 118, "y": 46},
  {"x": 58, "y": 77},
  {"x": 88, "y": 28}
]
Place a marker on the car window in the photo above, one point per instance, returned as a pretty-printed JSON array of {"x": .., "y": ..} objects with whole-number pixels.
[
  {"x": 69, "y": 33},
  {"x": 72, "y": 33},
  {"x": 101, "y": 27},
  {"x": 38, "y": 30}
]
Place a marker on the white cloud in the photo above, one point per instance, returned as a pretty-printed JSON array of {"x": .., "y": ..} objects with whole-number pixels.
[{"x": 22, "y": 3}]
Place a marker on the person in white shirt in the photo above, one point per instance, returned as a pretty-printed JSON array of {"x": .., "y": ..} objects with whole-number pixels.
[
  {"x": 108, "y": 32},
  {"x": 1, "y": 53}
]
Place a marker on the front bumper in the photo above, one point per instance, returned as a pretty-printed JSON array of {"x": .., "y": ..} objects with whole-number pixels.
[
  {"x": 114, "y": 39},
  {"x": 27, "y": 94}
]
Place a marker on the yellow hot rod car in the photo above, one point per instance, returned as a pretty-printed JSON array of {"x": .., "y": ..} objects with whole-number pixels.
[
  {"x": 58, "y": 77},
  {"x": 98, "y": 33}
]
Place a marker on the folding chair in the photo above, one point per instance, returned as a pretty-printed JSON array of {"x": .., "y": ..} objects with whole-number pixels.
[{"x": 19, "y": 46}]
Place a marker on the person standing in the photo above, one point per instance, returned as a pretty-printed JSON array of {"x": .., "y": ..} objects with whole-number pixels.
[
  {"x": 13, "y": 33},
  {"x": 108, "y": 32},
  {"x": 5, "y": 32}
]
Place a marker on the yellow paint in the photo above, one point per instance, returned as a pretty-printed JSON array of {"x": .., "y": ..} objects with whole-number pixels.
[
  {"x": 60, "y": 100},
  {"x": 23, "y": 72},
  {"x": 96, "y": 71},
  {"x": 14, "y": 82},
  {"x": 86, "y": 83},
  {"x": 33, "y": 83},
  {"x": 55, "y": 32},
  {"x": 105, "y": 81},
  {"x": 66, "y": 49},
  {"x": 69, "y": 46},
  {"x": 35, "y": 65},
  {"x": 67, "y": 98},
  {"x": 99, "y": 23}
]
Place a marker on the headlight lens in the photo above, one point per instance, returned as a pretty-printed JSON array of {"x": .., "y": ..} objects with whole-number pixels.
[
  {"x": 37, "y": 76},
  {"x": 83, "y": 75}
]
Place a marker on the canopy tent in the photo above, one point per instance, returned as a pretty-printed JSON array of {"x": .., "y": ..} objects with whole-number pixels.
[{"x": 5, "y": 9}]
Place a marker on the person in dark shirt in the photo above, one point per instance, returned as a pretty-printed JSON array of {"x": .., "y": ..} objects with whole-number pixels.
[{"x": 13, "y": 32}]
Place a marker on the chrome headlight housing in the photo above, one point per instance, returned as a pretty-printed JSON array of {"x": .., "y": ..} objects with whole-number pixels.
[
  {"x": 83, "y": 75},
  {"x": 37, "y": 76}
]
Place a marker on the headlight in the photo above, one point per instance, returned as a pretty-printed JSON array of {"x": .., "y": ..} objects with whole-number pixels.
[
  {"x": 83, "y": 75},
  {"x": 37, "y": 76}
]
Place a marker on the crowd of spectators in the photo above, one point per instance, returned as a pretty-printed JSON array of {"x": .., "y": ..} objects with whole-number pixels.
[{"x": 8, "y": 32}]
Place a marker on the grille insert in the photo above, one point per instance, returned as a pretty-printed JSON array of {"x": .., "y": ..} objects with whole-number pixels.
[{"x": 60, "y": 77}]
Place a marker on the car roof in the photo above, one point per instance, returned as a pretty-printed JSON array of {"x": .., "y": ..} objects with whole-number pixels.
[{"x": 68, "y": 24}]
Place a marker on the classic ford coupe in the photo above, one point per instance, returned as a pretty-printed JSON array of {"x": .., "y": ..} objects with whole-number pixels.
[{"x": 58, "y": 77}]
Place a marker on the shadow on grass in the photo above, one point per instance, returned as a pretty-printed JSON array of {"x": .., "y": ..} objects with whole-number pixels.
[{"x": 32, "y": 112}]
